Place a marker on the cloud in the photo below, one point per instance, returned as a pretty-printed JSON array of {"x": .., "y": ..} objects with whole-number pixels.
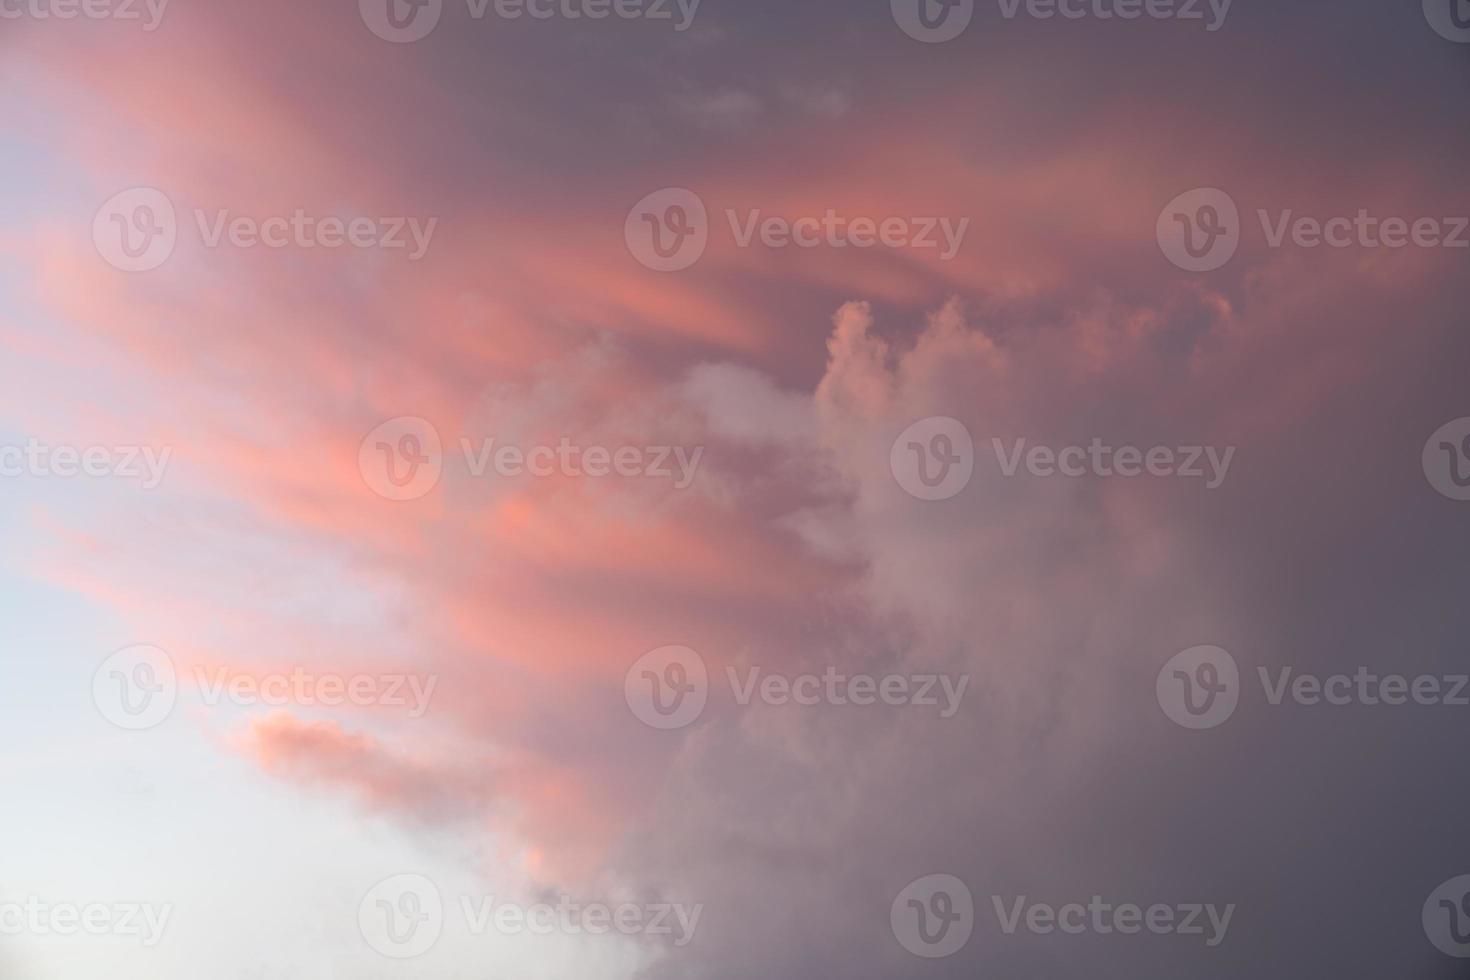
[
  {"x": 796, "y": 549},
  {"x": 321, "y": 754}
]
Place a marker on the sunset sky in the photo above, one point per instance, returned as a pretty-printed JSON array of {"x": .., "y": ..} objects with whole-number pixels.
[{"x": 767, "y": 391}]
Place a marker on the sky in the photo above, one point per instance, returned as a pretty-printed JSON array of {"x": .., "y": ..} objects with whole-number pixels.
[{"x": 690, "y": 491}]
